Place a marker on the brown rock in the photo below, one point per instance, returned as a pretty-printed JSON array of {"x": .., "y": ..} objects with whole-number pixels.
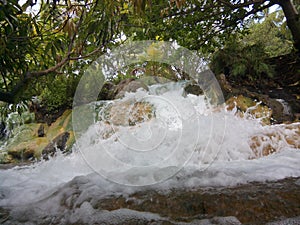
[
  {"x": 255, "y": 203},
  {"x": 41, "y": 131},
  {"x": 28, "y": 149},
  {"x": 246, "y": 106},
  {"x": 275, "y": 139},
  {"x": 128, "y": 85},
  {"x": 130, "y": 113},
  {"x": 193, "y": 89},
  {"x": 225, "y": 85},
  {"x": 58, "y": 143}
]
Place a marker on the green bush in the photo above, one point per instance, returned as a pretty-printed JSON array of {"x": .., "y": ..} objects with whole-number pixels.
[
  {"x": 241, "y": 60},
  {"x": 58, "y": 92},
  {"x": 244, "y": 55}
]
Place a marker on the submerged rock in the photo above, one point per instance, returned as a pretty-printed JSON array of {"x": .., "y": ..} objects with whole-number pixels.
[{"x": 275, "y": 139}]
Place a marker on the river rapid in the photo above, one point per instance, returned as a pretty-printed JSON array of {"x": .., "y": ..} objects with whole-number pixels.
[{"x": 184, "y": 145}]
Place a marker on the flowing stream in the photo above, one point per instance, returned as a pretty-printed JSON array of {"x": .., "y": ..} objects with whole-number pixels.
[{"x": 184, "y": 144}]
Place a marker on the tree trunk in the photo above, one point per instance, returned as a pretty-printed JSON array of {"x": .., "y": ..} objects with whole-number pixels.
[{"x": 293, "y": 21}]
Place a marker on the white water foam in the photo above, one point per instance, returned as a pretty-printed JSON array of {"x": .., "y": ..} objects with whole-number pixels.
[{"x": 210, "y": 158}]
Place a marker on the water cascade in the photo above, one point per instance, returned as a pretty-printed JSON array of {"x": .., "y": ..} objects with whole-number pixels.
[{"x": 180, "y": 142}]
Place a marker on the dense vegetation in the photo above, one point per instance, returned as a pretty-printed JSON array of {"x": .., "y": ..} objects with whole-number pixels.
[{"x": 46, "y": 45}]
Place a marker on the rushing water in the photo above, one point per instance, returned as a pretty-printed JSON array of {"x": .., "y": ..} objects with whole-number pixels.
[{"x": 186, "y": 144}]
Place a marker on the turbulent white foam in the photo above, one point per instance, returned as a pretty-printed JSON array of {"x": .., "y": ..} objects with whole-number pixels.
[{"x": 185, "y": 133}]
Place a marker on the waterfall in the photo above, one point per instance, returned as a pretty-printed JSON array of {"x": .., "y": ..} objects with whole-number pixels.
[{"x": 184, "y": 143}]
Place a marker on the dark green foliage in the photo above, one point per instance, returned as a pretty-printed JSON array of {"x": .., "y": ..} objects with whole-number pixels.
[
  {"x": 272, "y": 33},
  {"x": 58, "y": 91},
  {"x": 242, "y": 60},
  {"x": 65, "y": 36}
]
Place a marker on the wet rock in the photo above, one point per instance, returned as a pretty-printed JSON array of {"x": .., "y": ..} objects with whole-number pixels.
[
  {"x": 279, "y": 114},
  {"x": 107, "y": 91},
  {"x": 128, "y": 113},
  {"x": 61, "y": 124},
  {"x": 275, "y": 139},
  {"x": 5, "y": 158},
  {"x": 4, "y": 215},
  {"x": 28, "y": 117},
  {"x": 2, "y": 130},
  {"x": 193, "y": 89},
  {"x": 30, "y": 140},
  {"x": 25, "y": 143},
  {"x": 41, "y": 131},
  {"x": 58, "y": 143},
  {"x": 128, "y": 85},
  {"x": 229, "y": 220},
  {"x": 27, "y": 150},
  {"x": 22, "y": 152},
  {"x": 288, "y": 221},
  {"x": 247, "y": 107},
  {"x": 255, "y": 203},
  {"x": 224, "y": 84}
]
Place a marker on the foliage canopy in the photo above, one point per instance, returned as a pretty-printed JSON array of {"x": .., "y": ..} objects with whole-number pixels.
[{"x": 59, "y": 39}]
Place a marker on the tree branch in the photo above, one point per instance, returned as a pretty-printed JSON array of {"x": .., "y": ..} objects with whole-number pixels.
[{"x": 240, "y": 5}]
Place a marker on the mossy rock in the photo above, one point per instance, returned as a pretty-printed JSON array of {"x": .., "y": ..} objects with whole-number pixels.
[
  {"x": 28, "y": 141},
  {"x": 70, "y": 141},
  {"x": 241, "y": 102},
  {"x": 62, "y": 124},
  {"x": 248, "y": 106},
  {"x": 28, "y": 149},
  {"x": 5, "y": 158},
  {"x": 25, "y": 133}
]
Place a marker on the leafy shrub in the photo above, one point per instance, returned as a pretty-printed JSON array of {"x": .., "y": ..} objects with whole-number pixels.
[
  {"x": 244, "y": 56},
  {"x": 58, "y": 92},
  {"x": 241, "y": 60},
  {"x": 272, "y": 34}
]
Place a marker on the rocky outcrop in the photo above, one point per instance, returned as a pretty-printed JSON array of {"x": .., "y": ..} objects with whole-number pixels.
[
  {"x": 247, "y": 107},
  {"x": 28, "y": 149},
  {"x": 128, "y": 113},
  {"x": 253, "y": 203},
  {"x": 278, "y": 113},
  {"x": 193, "y": 89},
  {"x": 128, "y": 85},
  {"x": 58, "y": 143},
  {"x": 268, "y": 91},
  {"x": 107, "y": 91},
  {"x": 31, "y": 141}
]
